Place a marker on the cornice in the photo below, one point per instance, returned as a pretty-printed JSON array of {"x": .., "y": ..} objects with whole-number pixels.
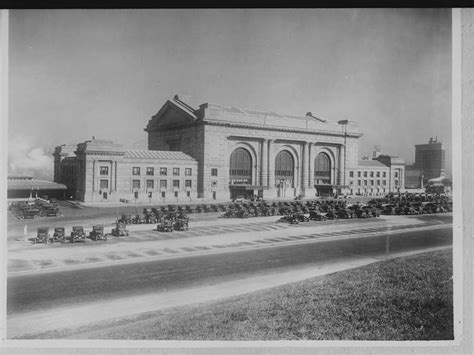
[{"x": 283, "y": 129}]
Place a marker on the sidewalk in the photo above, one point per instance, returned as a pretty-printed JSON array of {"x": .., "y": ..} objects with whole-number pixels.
[{"x": 204, "y": 237}]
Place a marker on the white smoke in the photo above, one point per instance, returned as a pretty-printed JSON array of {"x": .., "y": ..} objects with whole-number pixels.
[{"x": 25, "y": 159}]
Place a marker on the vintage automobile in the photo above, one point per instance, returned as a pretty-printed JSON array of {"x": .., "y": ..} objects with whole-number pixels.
[
  {"x": 126, "y": 219},
  {"x": 97, "y": 233},
  {"x": 120, "y": 230},
  {"x": 42, "y": 235},
  {"x": 345, "y": 213},
  {"x": 78, "y": 234},
  {"x": 301, "y": 217},
  {"x": 166, "y": 225},
  {"x": 59, "y": 235},
  {"x": 317, "y": 216},
  {"x": 138, "y": 219},
  {"x": 181, "y": 224}
]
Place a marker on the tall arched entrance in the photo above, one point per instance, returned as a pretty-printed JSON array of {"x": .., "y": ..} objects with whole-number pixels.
[
  {"x": 284, "y": 174},
  {"x": 322, "y": 174},
  {"x": 240, "y": 173}
]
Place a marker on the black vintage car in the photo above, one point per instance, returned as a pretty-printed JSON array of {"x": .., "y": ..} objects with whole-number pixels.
[
  {"x": 59, "y": 235},
  {"x": 42, "y": 235},
  {"x": 97, "y": 233},
  {"x": 78, "y": 234},
  {"x": 120, "y": 230},
  {"x": 166, "y": 225}
]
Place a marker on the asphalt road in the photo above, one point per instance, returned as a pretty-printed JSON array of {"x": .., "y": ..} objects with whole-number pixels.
[{"x": 43, "y": 291}]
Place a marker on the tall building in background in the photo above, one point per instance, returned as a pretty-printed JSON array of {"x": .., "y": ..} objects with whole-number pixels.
[{"x": 430, "y": 159}]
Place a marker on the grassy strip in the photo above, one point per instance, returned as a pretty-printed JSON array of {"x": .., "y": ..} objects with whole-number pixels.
[{"x": 407, "y": 298}]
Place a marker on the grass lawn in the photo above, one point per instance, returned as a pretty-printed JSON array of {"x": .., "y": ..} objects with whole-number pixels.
[{"x": 407, "y": 298}]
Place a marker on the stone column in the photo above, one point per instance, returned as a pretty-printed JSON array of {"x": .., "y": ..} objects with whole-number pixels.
[
  {"x": 310, "y": 191},
  {"x": 264, "y": 164},
  {"x": 93, "y": 175},
  {"x": 340, "y": 165},
  {"x": 304, "y": 167},
  {"x": 272, "y": 192},
  {"x": 310, "y": 166},
  {"x": 271, "y": 166}
]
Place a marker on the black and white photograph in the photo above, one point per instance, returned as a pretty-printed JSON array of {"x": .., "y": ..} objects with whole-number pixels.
[{"x": 231, "y": 175}]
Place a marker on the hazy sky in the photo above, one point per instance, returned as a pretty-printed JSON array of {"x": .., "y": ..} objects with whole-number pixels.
[{"x": 75, "y": 74}]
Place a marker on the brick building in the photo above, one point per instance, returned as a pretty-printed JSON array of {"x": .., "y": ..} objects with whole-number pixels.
[
  {"x": 430, "y": 159},
  {"x": 227, "y": 152}
]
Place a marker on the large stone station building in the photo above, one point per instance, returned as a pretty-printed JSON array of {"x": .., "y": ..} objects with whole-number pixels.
[{"x": 218, "y": 153}]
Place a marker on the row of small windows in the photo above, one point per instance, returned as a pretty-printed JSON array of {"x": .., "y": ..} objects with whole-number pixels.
[
  {"x": 150, "y": 184},
  {"x": 163, "y": 171},
  {"x": 150, "y": 171},
  {"x": 377, "y": 174},
  {"x": 372, "y": 182}
]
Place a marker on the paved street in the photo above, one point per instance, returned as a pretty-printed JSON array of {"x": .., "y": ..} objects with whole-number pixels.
[{"x": 50, "y": 286}]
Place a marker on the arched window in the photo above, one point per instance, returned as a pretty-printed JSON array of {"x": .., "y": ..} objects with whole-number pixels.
[
  {"x": 240, "y": 171},
  {"x": 284, "y": 167},
  {"x": 322, "y": 169}
]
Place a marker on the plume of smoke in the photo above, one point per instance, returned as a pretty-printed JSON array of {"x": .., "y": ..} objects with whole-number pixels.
[{"x": 26, "y": 159}]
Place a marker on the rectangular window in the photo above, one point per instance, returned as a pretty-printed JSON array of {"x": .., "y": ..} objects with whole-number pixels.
[
  {"x": 378, "y": 174},
  {"x": 365, "y": 173},
  {"x": 359, "y": 182},
  {"x": 358, "y": 174},
  {"x": 176, "y": 184},
  {"x": 371, "y": 182},
  {"x": 371, "y": 174},
  {"x": 175, "y": 171},
  {"x": 163, "y": 184},
  {"x": 136, "y": 184},
  {"x": 136, "y": 170},
  {"x": 188, "y": 171},
  {"x": 150, "y": 171},
  {"x": 188, "y": 193},
  {"x": 365, "y": 182},
  {"x": 163, "y": 194},
  {"x": 163, "y": 171},
  {"x": 384, "y": 182},
  {"x": 176, "y": 194},
  {"x": 384, "y": 174},
  {"x": 104, "y": 170},
  {"x": 396, "y": 174},
  {"x": 351, "y": 174},
  {"x": 104, "y": 184},
  {"x": 150, "y": 184},
  {"x": 351, "y": 182},
  {"x": 188, "y": 183},
  {"x": 378, "y": 182},
  {"x": 396, "y": 182},
  {"x": 214, "y": 172}
]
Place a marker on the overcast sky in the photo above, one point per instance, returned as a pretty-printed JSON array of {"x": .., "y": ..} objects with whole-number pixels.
[{"x": 75, "y": 74}]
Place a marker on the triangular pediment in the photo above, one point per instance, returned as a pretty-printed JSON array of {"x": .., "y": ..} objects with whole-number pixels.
[{"x": 170, "y": 115}]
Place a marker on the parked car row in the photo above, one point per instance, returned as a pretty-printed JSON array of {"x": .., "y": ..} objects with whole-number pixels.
[
  {"x": 335, "y": 209},
  {"x": 36, "y": 209},
  {"x": 43, "y": 234}
]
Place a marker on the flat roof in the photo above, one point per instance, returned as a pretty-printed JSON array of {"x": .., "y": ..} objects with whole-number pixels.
[{"x": 34, "y": 185}]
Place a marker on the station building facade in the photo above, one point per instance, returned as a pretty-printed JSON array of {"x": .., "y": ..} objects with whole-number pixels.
[
  {"x": 229, "y": 153},
  {"x": 257, "y": 153}
]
